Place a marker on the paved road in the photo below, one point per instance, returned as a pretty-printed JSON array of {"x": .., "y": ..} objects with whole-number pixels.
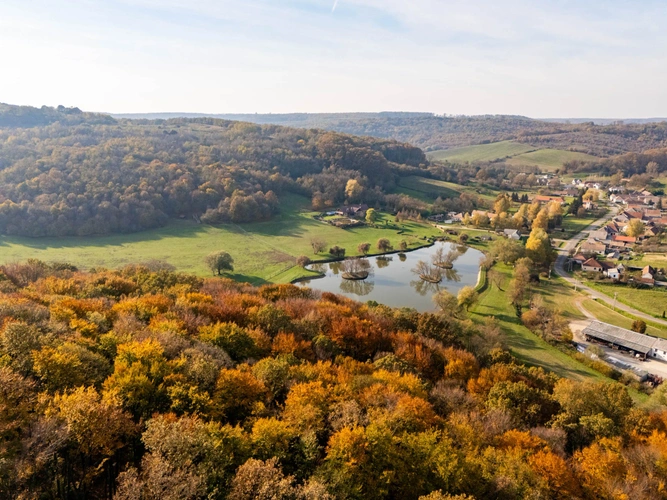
[{"x": 563, "y": 254}]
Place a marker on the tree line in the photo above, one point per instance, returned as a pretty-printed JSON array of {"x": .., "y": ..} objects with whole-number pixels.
[{"x": 98, "y": 176}]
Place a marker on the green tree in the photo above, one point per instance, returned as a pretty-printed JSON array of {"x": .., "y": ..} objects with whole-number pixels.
[
  {"x": 384, "y": 245},
  {"x": 364, "y": 248},
  {"x": 467, "y": 296},
  {"x": 448, "y": 303},
  {"x": 318, "y": 245},
  {"x": 219, "y": 262},
  {"x": 371, "y": 216},
  {"x": 639, "y": 326}
]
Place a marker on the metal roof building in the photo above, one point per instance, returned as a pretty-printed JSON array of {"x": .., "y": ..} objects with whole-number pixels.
[{"x": 626, "y": 339}]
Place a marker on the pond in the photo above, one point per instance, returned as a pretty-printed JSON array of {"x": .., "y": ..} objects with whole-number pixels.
[{"x": 393, "y": 282}]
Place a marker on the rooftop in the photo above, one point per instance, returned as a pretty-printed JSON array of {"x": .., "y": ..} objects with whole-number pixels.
[{"x": 626, "y": 338}]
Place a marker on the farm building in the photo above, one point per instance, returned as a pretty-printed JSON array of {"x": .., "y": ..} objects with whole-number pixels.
[
  {"x": 627, "y": 340},
  {"x": 592, "y": 265},
  {"x": 593, "y": 247}
]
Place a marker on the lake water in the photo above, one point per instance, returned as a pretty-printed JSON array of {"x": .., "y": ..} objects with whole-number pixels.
[{"x": 392, "y": 281}]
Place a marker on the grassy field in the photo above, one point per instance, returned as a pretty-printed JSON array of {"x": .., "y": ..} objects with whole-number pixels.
[
  {"x": 650, "y": 301},
  {"x": 573, "y": 225},
  {"x": 526, "y": 346},
  {"x": 481, "y": 152},
  {"x": 548, "y": 159},
  {"x": 263, "y": 252},
  {"x": 657, "y": 260},
  {"x": 605, "y": 314},
  {"x": 428, "y": 190}
]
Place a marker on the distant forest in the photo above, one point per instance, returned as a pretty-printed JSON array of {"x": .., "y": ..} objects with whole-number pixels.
[
  {"x": 431, "y": 132},
  {"x": 64, "y": 172}
]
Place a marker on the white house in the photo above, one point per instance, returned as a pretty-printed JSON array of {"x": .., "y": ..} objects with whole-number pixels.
[
  {"x": 613, "y": 273},
  {"x": 592, "y": 265},
  {"x": 512, "y": 234}
]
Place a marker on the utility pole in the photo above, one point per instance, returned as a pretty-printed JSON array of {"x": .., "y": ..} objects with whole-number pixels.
[{"x": 615, "y": 294}]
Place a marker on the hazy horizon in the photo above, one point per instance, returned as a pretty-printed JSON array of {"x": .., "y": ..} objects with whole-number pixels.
[{"x": 537, "y": 59}]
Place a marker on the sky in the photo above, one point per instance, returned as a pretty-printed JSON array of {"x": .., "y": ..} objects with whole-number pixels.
[{"x": 538, "y": 58}]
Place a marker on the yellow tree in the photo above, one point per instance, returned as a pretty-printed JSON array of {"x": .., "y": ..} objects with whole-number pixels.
[
  {"x": 635, "y": 228},
  {"x": 502, "y": 203},
  {"x": 538, "y": 247},
  {"x": 353, "y": 190}
]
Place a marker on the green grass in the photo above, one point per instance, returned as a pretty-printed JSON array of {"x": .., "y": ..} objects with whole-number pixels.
[
  {"x": 656, "y": 260},
  {"x": 548, "y": 159},
  {"x": 573, "y": 225},
  {"x": 481, "y": 152},
  {"x": 605, "y": 314},
  {"x": 428, "y": 189},
  {"x": 263, "y": 252},
  {"x": 651, "y": 301},
  {"x": 523, "y": 344}
]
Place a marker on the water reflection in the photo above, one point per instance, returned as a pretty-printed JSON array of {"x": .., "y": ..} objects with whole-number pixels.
[
  {"x": 423, "y": 287},
  {"x": 392, "y": 281},
  {"x": 451, "y": 275},
  {"x": 383, "y": 261},
  {"x": 357, "y": 287}
]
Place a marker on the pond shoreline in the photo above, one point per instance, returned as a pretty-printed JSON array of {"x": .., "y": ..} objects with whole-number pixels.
[
  {"x": 394, "y": 282},
  {"x": 338, "y": 259}
]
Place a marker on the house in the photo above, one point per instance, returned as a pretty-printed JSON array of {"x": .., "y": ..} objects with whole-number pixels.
[
  {"x": 546, "y": 199},
  {"x": 512, "y": 234},
  {"x": 651, "y": 231},
  {"x": 648, "y": 276},
  {"x": 580, "y": 258},
  {"x": 651, "y": 214},
  {"x": 613, "y": 273},
  {"x": 593, "y": 247},
  {"x": 631, "y": 240},
  {"x": 603, "y": 234},
  {"x": 483, "y": 213},
  {"x": 613, "y": 255},
  {"x": 633, "y": 214},
  {"x": 358, "y": 211},
  {"x": 592, "y": 265}
]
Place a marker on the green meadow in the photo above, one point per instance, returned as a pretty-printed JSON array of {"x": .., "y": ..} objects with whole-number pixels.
[
  {"x": 481, "y": 152},
  {"x": 548, "y": 159},
  {"x": 516, "y": 154},
  {"x": 263, "y": 252}
]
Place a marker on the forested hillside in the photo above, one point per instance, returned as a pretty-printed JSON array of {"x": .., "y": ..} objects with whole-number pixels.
[
  {"x": 100, "y": 175},
  {"x": 144, "y": 384},
  {"x": 431, "y": 132}
]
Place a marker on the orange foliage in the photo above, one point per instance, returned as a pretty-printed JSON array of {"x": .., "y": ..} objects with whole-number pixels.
[
  {"x": 287, "y": 343},
  {"x": 461, "y": 365}
]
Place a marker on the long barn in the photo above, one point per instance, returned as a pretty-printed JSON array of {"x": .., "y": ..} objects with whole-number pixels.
[{"x": 627, "y": 340}]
